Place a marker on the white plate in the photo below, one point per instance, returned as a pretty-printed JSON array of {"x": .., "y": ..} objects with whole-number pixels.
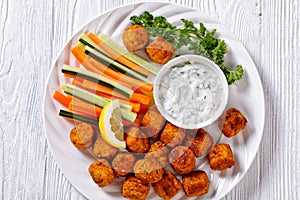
[{"x": 246, "y": 95}]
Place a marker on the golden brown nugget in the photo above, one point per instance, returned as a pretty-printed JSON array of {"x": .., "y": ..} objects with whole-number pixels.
[
  {"x": 135, "y": 37},
  {"x": 195, "y": 183},
  {"x": 123, "y": 163},
  {"x": 153, "y": 122},
  {"x": 199, "y": 142},
  {"x": 102, "y": 149},
  {"x": 168, "y": 186},
  {"x": 182, "y": 159},
  {"x": 172, "y": 135},
  {"x": 221, "y": 157},
  {"x": 234, "y": 122},
  {"x": 136, "y": 140},
  {"x": 160, "y": 51},
  {"x": 101, "y": 172},
  {"x": 82, "y": 136},
  {"x": 135, "y": 189},
  {"x": 148, "y": 171},
  {"x": 159, "y": 152}
]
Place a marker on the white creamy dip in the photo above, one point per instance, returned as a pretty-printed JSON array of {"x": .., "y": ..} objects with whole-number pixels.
[{"x": 191, "y": 93}]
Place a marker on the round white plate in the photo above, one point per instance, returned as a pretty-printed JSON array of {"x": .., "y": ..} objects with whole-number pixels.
[{"x": 246, "y": 95}]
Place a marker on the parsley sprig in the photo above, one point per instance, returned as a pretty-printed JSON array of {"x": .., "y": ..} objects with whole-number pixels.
[{"x": 199, "y": 40}]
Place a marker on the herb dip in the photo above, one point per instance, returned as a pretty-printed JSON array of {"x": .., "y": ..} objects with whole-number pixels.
[{"x": 191, "y": 93}]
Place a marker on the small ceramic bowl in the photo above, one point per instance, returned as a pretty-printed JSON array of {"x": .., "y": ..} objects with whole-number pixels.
[{"x": 210, "y": 99}]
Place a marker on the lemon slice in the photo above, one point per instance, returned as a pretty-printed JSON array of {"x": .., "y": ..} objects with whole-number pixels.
[{"x": 110, "y": 124}]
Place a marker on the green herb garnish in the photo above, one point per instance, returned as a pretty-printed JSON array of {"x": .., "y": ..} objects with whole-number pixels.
[{"x": 199, "y": 40}]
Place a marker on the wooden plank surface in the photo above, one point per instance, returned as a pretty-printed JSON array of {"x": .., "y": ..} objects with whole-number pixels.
[{"x": 32, "y": 34}]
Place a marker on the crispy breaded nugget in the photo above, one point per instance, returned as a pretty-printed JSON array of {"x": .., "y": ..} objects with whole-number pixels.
[
  {"x": 199, "y": 141},
  {"x": 149, "y": 171},
  {"x": 102, "y": 149},
  {"x": 234, "y": 122},
  {"x": 101, "y": 172},
  {"x": 160, "y": 50},
  {"x": 135, "y": 189},
  {"x": 221, "y": 157},
  {"x": 172, "y": 135},
  {"x": 159, "y": 152},
  {"x": 182, "y": 159},
  {"x": 123, "y": 163},
  {"x": 195, "y": 183},
  {"x": 168, "y": 186},
  {"x": 136, "y": 140},
  {"x": 82, "y": 136},
  {"x": 153, "y": 122},
  {"x": 135, "y": 37}
]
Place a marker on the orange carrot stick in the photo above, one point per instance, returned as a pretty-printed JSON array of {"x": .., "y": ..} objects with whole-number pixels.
[
  {"x": 78, "y": 80},
  {"x": 83, "y": 59},
  {"x": 135, "y": 106},
  {"x": 83, "y": 107},
  {"x": 77, "y": 52},
  {"x": 69, "y": 75},
  {"x": 61, "y": 98},
  {"x": 137, "y": 121},
  {"x": 92, "y": 86},
  {"x": 140, "y": 98},
  {"x": 116, "y": 56},
  {"x": 70, "y": 97}
]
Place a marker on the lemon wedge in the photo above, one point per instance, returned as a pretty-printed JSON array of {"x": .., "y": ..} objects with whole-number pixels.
[{"x": 110, "y": 124}]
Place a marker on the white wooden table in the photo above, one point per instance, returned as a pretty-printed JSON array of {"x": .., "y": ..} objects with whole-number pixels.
[{"x": 33, "y": 33}]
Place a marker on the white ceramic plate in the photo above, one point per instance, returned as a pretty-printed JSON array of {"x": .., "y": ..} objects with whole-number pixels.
[{"x": 246, "y": 95}]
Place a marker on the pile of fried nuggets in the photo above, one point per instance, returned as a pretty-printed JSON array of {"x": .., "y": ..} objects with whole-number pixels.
[{"x": 156, "y": 149}]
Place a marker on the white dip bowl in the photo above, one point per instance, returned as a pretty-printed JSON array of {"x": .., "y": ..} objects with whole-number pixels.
[{"x": 190, "y": 91}]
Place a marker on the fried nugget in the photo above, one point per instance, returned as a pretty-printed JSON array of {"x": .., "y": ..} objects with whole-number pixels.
[
  {"x": 195, "y": 183},
  {"x": 199, "y": 141},
  {"x": 182, "y": 159},
  {"x": 101, "y": 172},
  {"x": 135, "y": 37},
  {"x": 82, "y": 136},
  {"x": 160, "y": 51},
  {"x": 159, "y": 152},
  {"x": 168, "y": 186},
  {"x": 135, "y": 189},
  {"x": 136, "y": 140},
  {"x": 234, "y": 122},
  {"x": 152, "y": 123},
  {"x": 102, "y": 149},
  {"x": 172, "y": 135},
  {"x": 149, "y": 171},
  {"x": 221, "y": 157},
  {"x": 123, "y": 163}
]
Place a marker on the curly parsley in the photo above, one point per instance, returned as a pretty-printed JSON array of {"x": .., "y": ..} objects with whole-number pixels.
[{"x": 199, "y": 40}]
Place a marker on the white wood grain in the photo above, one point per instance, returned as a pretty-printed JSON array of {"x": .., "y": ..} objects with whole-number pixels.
[
  {"x": 280, "y": 152},
  {"x": 32, "y": 34}
]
